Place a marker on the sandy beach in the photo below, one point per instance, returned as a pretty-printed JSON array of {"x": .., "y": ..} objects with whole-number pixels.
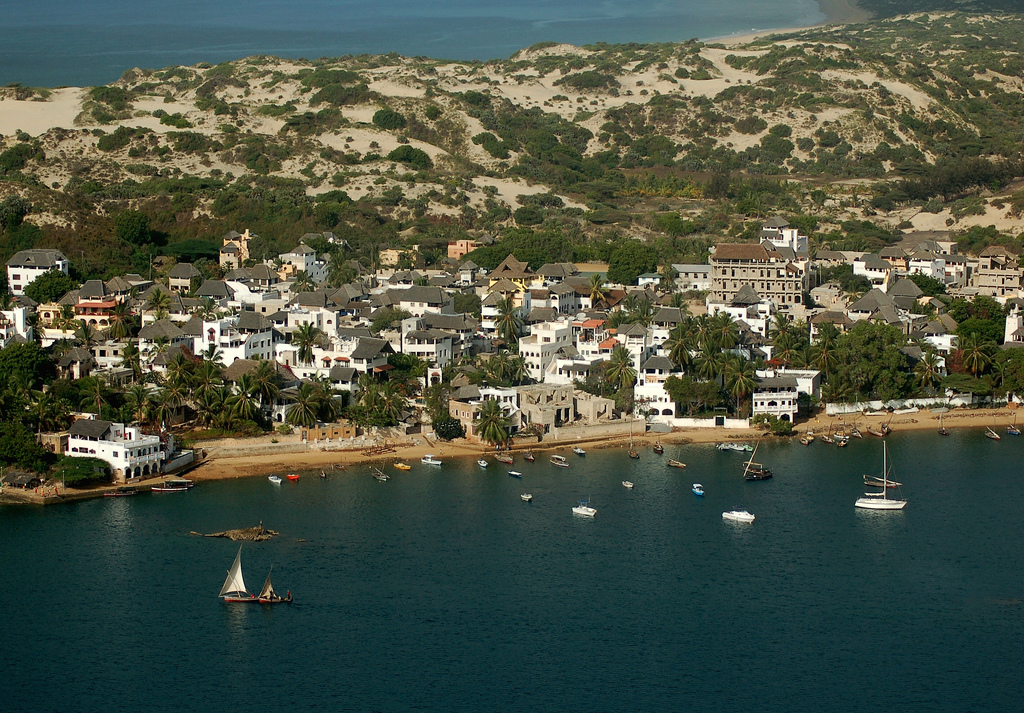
[{"x": 837, "y": 12}]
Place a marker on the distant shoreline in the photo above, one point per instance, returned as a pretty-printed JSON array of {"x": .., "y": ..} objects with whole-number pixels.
[{"x": 837, "y": 12}]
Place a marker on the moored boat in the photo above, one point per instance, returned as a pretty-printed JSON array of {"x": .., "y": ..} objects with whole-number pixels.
[
  {"x": 738, "y": 447},
  {"x": 807, "y": 439},
  {"x": 584, "y": 509},
  {"x": 529, "y": 457},
  {"x": 275, "y": 479},
  {"x": 675, "y": 464},
  {"x": 292, "y": 477},
  {"x": 755, "y": 471},
  {"x": 172, "y": 485},
  {"x": 403, "y": 466},
  {"x": 633, "y": 454},
  {"x": 505, "y": 458},
  {"x": 515, "y": 474},
  {"x": 234, "y": 586},
  {"x": 559, "y": 461},
  {"x": 989, "y": 433},
  {"x": 526, "y": 497},
  {"x": 658, "y": 448},
  {"x": 122, "y": 492},
  {"x": 881, "y": 501},
  {"x": 482, "y": 463},
  {"x": 379, "y": 474},
  {"x": 697, "y": 489},
  {"x": 578, "y": 451},
  {"x": 430, "y": 459},
  {"x": 627, "y": 484},
  {"x": 737, "y": 516}
]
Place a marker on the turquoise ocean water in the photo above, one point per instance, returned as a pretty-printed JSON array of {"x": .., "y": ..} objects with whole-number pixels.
[
  {"x": 52, "y": 42},
  {"x": 442, "y": 591}
]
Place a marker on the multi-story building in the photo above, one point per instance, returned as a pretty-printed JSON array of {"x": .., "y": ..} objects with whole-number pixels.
[
  {"x": 734, "y": 265},
  {"x": 776, "y": 397},
  {"x": 235, "y": 249},
  {"x": 538, "y": 349},
  {"x": 27, "y": 265},
  {"x": 777, "y": 231},
  {"x": 998, "y": 273},
  {"x": 130, "y": 453},
  {"x": 692, "y": 278}
]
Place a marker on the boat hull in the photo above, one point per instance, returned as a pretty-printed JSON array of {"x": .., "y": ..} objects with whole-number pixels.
[
  {"x": 880, "y": 504},
  {"x": 738, "y": 516},
  {"x": 584, "y": 511}
]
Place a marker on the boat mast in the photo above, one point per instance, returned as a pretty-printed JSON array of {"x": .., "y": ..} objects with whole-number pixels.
[{"x": 885, "y": 470}]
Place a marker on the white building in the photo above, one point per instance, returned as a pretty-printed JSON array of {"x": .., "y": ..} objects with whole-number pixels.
[
  {"x": 27, "y": 265},
  {"x": 14, "y": 323},
  {"x": 777, "y": 231},
  {"x": 695, "y": 278},
  {"x": 880, "y": 273},
  {"x": 776, "y": 397},
  {"x": 247, "y": 335},
  {"x": 130, "y": 453},
  {"x": 538, "y": 349},
  {"x": 305, "y": 258}
]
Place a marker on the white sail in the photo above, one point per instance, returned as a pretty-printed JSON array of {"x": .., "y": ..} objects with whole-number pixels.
[
  {"x": 268, "y": 589},
  {"x": 234, "y": 584}
]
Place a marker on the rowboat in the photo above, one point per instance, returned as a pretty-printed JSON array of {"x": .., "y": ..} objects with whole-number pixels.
[
  {"x": 403, "y": 466},
  {"x": 526, "y": 497},
  {"x": 659, "y": 449},
  {"x": 697, "y": 489},
  {"x": 292, "y": 477},
  {"x": 275, "y": 479},
  {"x": 482, "y": 463},
  {"x": 578, "y": 451},
  {"x": 675, "y": 464},
  {"x": 628, "y": 484}
]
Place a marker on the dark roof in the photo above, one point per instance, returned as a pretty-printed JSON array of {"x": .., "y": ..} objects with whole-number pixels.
[
  {"x": 214, "y": 288},
  {"x": 746, "y": 295},
  {"x": 456, "y": 322},
  {"x": 37, "y": 258},
  {"x": 658, "y": 362},
  {"x": 344, "y": 374},
  {"x": 778, "y": 382},
  {"x": 368, "y": 348},
  {"x": 417, "y": 293},
  {"x": 90, "y": 428},
  {"x": 776, "y": 221},
  {"x": 263, "y": 272},
  {"x": 78, "y": 355},
  {"x": 252, "y": 322},
  {"x": 184, "y": 271},
  {"x": 744, "y": 251},
  {"x": 92, "y": 289},
  {"x": 161, "y": 328}
]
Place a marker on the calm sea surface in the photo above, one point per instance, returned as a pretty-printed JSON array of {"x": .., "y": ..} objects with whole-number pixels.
[
  {"x": 54, "y": 42},
  {"x": 442, "y": 591}
]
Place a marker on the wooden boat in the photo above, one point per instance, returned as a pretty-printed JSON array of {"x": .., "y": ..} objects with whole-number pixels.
[
  {"x": 505, "y": 458},
  {"x": 323, "y": 474},
  {"x": 628, "y": 484},
  {"x": 675, "y": 464},
  {"x": 121, "y": 493},
  {"x": 841, "y": 441},
  {"x": 659, "y": 449},
  {"x": 292, "y": 477},
  {"x": 697, "y": 489},
  {"x": 176, "y": 485},
  {"x": 275, "y": 479},
  {"x": 943, "y": 431},
  {"x": 560, "y": 461},
  {"x": 873, "y": 432},
  {"x": 515, "y": 474},
  {"x": 379, "y": 474},
  {"x": 267, "y": 595},
  {"x": 807, "y": 439},
  {"x": 526, "y": 497},
  {"x": 827, "y": 438},
  {"x": 529, "y": 456},
  {"x": 234, "y": 590},
  {"x": 989, "y": 433},
  {"x": 634, "y": 454},
  {"x": 755, "y": 471},
  {"x": 1012, "y": 430},
  {"x": 403, "y": 466},
  {"x": 855, "y": 432}
]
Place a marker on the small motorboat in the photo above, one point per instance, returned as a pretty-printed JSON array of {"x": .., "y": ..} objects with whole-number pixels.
[
  {"x": 529, "y": 456},
  {"x": 526, "y": 497},
  {"x": 659, "y": 449},
  {"x": 675, "y": 464},
  {"x": 559, "y": 461},
  {"x": 482, "y": 463},
  {"x": 121, "y": 493},
  {"x": 515, "y": 474},
  {"x": 172, "y": 486},
  {"x": 429, "y": 459},
  {"x": 275, "y": 479},
  {"x": 292, "y": 477},
  {"x": 505, "y": 458},
  {"x": 737, "y": 516},
  {"x": 628, "y": 484},
  {"x": 584, "y": 509},
  {"x": 403, "y": 466},
  {"x": 578, "y": 451},
  {"x": 989, "y": 433},
  {"x": 697, "y": 490}
]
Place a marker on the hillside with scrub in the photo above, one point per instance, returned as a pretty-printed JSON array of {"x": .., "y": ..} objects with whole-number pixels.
[{"x": 855, "y": 133}]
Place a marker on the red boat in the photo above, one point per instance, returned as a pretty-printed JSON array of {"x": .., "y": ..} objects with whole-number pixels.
[
  {"x": 659, "y": 449},
  {"x": 529, "y": 456},
  {"x": 505, "y": 458},
  {"x": 292, "y": 476}
]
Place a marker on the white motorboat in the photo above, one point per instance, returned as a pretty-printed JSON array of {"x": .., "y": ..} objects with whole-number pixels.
[
  {"x": 526, "y": 497},
  {"x": 482, "y": 463},
  {"x": 627, "y": 484},
  {"x": 560, "y": 461},
  {"x": 738, "y": 447},
  {"x": 578, "y": 451},
  {"x": 737, "y": 516},
  {"x": 275, "y": 479},
  {"x": 430, "y": 459},
  {"x": 515, "y": 474},
  {"x": 584, "y": 509},
  {"x": 697, "y": 489},
  {"x": 881, "y": 501}
]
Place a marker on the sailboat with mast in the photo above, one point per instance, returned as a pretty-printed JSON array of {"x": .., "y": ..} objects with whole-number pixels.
[
  {"x": 881, "y": 501},
  {"x": 234, "y": 586},
  {"x": 943, "y": 431},
  {"x": 755, "y": 471},
  {"x": 267, "y": 595},
  {"x": 632, "y": 451}
]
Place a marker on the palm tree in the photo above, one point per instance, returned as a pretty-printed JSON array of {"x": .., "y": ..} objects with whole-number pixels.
[
  {"x": 597, "y": 289},
  {"x": 724, "y": 331},
  {"x": 391, "y": 401},
  {"x": 207, "y": 310},
  {"x": 327, "y": 404},
  {"x": 508, "y": 324},
  {"x": 140, "y": 401},
  {"x": 620, "y": 371},
  {"x": 740, "y": 379},
  {"x": 159, "y": 303},
  {"x": 265, "y": 380},
  {"x": 244, "y": 402},
  {"x": 928, "y": 371},
  {"x": 95, "y": 394},
  {"x": 492, "y": 424},
  {"x": 213, "y": 355},
  {"x": 678, "y": 346},
  {"x": 303, "y": 410},
  {"x": 67, "y": 320},
  {"x": 121, "y": 320},
  {"x": 641, "y": 311},
  {"x": 304, "y": 282},
  {"x": 132, "y": 359},
  {"x": 206, "y": 377},
  {"x": 305, "y": 338},
  {"x": 179, "y": 370},
  {"x": 85, "y": 334},
  {"x": 975, "y": 353}
]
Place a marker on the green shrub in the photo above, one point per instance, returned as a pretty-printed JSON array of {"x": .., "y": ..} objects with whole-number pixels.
[
  {"x": 389, "y": 119},
  {"x": 751, "y": 125},
  {"x": 416, "y": 158},
  {"x": 432, "y": 112},
  {"x": 588, "y": 80}
]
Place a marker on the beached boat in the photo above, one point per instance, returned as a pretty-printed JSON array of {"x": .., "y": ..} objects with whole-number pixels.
[
  {"x": 842, "y": 441},
  {"x": 526, "y": 497},
  {"x": 267, "y": 595},
  {"x": 874, "y": 432},
  {"x": 121, "y": 493},
  {"x": 482, "y": 463},
  {"x": 429, "y": 459},
  {"x": 675, "y": 464},
  {"x": 827, "y": 438},
  {"x": 529, "y": 457},
  {"x": 627, "y": 484},
  {"x": 584, "y": 509},
  {"x": 403, "y": 466},
  {"x": 172, "y": 485},
  {"x": 560, "y": 461},
  {"x": 515, "y": 474},
  {"x": 697, "y": 489},
  {"x": 234, "y": 586},
  {"x": 578, "y": 451},
  {"x": 989, "y": 433},
  {"x": 275, "y": 479},
  {"x": 881, "y": 501},
  {"x": 807, "y": 439},
  {"x": 505, "y": 458},
  {"x": 737, "y": 516},
  {"x": 659, "y": 449},
  {"x": 1012, "y": 430},
  {"x": 855, "y": 432},
  {"x": 292, "y": 477}
]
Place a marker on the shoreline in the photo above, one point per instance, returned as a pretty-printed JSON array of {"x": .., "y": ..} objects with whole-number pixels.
[{"x": 836, "y": 12}]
